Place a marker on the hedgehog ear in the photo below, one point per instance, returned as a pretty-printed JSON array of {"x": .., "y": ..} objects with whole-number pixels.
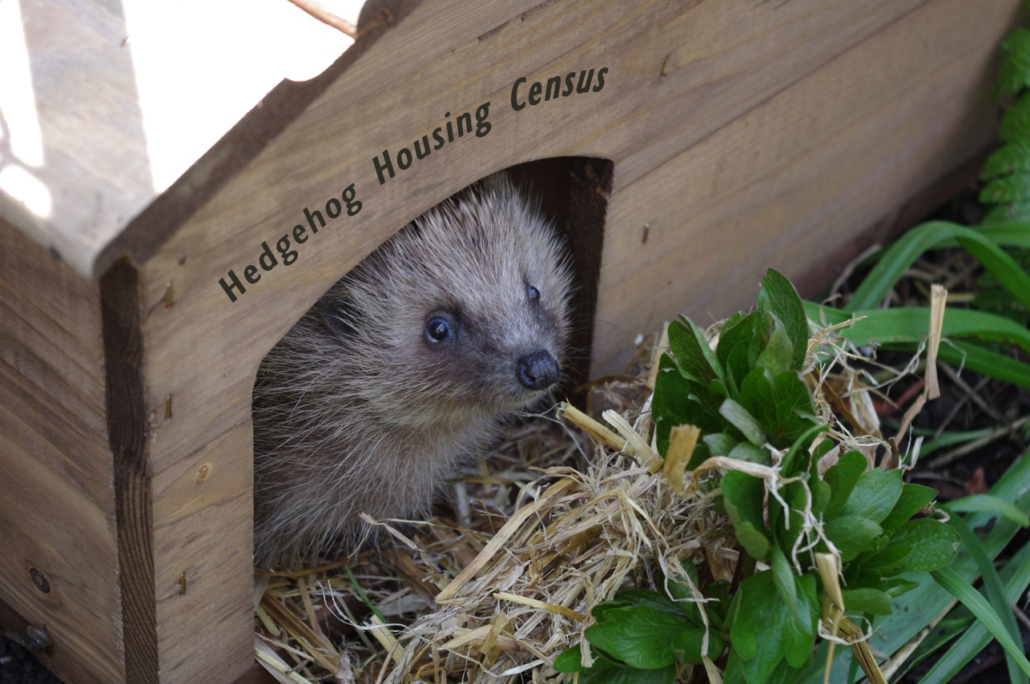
[{"x": 338, "y": 318}]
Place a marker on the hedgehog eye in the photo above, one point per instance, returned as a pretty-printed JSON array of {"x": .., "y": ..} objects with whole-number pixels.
[
  {"x": 437, "y": 330},
  {"x": 532, "y": 293}
]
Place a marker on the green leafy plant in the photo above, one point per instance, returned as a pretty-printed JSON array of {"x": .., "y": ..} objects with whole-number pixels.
[
  {"x": 1007, "y": 171},
  {"x": 755, "y": 411},
  {"x": 977, "y": 340}
]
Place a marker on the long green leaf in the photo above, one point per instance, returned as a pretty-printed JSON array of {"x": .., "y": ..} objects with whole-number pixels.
[
  {"x": 912, "y": 324},
  {"x": 907, "y": 249},
  {"x": 995, "y": 592},
  {"x": 949, "y": 439},
  {"x": 985, "y": 362},
  {"x": 1017, "y": 575},
  {"x": 985, "y": 503},
  {"x": 1007, "y": 233},
  {"x": 971, "y": 599},
  {"x": 953, "y": 351}
]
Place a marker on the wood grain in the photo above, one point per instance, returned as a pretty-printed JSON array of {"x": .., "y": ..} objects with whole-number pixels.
[
  {"x": 127, "y": 432},
  {"x": 57, "y": 508},
  {"x": 799, "y": 177}
]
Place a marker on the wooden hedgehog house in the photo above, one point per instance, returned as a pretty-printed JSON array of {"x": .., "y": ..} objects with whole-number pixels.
[{"x": 685, "y": 146}]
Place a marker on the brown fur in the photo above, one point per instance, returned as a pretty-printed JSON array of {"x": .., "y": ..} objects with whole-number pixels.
[{"x": 357, "y": 410}]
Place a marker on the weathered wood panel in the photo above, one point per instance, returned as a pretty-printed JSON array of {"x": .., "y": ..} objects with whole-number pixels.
[
  {"x": 57, "y": 512},
  {"x": 794, "y": 181}
]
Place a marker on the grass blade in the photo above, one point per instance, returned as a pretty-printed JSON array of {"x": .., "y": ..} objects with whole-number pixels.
[
  {"x": 985, "y": 362},
  {"x": 985, "y": 503},
  {"x": 1007, "y": 233},
  {"x": 994, "y": 590},
  {"x": 1017, "y": 575},
  {"x": 907, "y": 249},
  {"x": 971, "y": 599},
  {"x": 911, "y": 324}
]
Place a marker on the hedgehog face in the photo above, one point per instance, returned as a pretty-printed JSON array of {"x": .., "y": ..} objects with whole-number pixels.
[
  {"x": 462, "y": 315},
  {"x": 493, "y": 359}
]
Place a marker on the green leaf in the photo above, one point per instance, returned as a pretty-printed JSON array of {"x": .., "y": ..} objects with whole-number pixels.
[
  {"x": 778, "y": 296},
  {"x": 867, "y": 601},
  {"x": 796, "y": 498},
  {"x": 915, "y": 609},
  {"x": 638, "y": 635},
  {"x": 913, "y": 499},
  {"x": 976, "y": 604},
  {"x": 994, "y": 590},
  {"x": 1009, "y": 159},
  {"x": 754, "y": 633},
  {"x": 777, "y": 355},
  {"x": 933, "y": 544},
  {"x": 1015, "y": 125},
  {"x": 842, "y": 479},
  {"x": 693, "y": 355},
  {"x": 985, "y": 362},
  {"x": 782, "y": 406},
  {"x": 738, "y": 330},
  {"x": 783, "y": 578},
  {"x": 648, "y": 598},
  {"x": 739, "y": 418},
  {"x": 570, "y": 660},
  {"x": 719, "y": 443},
  {"x": 742, "y": 495},
  {"x": 746, "y": 451},
  {"x": 600, "y": 609},
  {"x": 874, "y": 495},
  {"x": 628, "y": 675},
  {"x": 1011, "y": 188},
  {"x": 1015, "y": 62},
  {"x": 673, "y": 405},
  {"x": 899, "y": 586},
  {"x": 717, "y": 390},
  {"x": 683, "y": 597},
  {"x": 764, "y": 630},
  {"x": 737, "y": 367},
  {"x": 985, "y": 503},
  {"x": 910, "y": 246},
  {"x": 687, "y": 645},
  {"x": 798, "y": 458},
  {"x": 852, "y": 534},
  {"x": 890, "y": 561},
  {"x": 1005, "y": 213}
]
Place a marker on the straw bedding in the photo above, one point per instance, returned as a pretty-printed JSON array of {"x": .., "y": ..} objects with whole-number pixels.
[{"x": 565, "y": 512}]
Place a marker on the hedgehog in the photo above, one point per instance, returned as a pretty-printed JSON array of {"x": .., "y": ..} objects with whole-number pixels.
[{"x": 406, "y": 367}]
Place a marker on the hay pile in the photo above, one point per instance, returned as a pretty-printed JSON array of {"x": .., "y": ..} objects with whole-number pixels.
[{"x": 556, "y": 521}]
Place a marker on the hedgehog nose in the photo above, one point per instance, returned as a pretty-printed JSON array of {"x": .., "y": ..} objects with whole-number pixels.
[{"x": 537, "y": 370}]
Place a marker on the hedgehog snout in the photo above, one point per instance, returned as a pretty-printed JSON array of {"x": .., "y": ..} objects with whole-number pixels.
[{"x": 537, "y": 370}]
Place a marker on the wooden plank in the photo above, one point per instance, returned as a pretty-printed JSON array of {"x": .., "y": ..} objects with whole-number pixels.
[
  {"x": 799, "y": 177},
  {"x": 203, "y": 545},
  {"x": 127, "y": 434},
  {"x": 56, "y": 482}
]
